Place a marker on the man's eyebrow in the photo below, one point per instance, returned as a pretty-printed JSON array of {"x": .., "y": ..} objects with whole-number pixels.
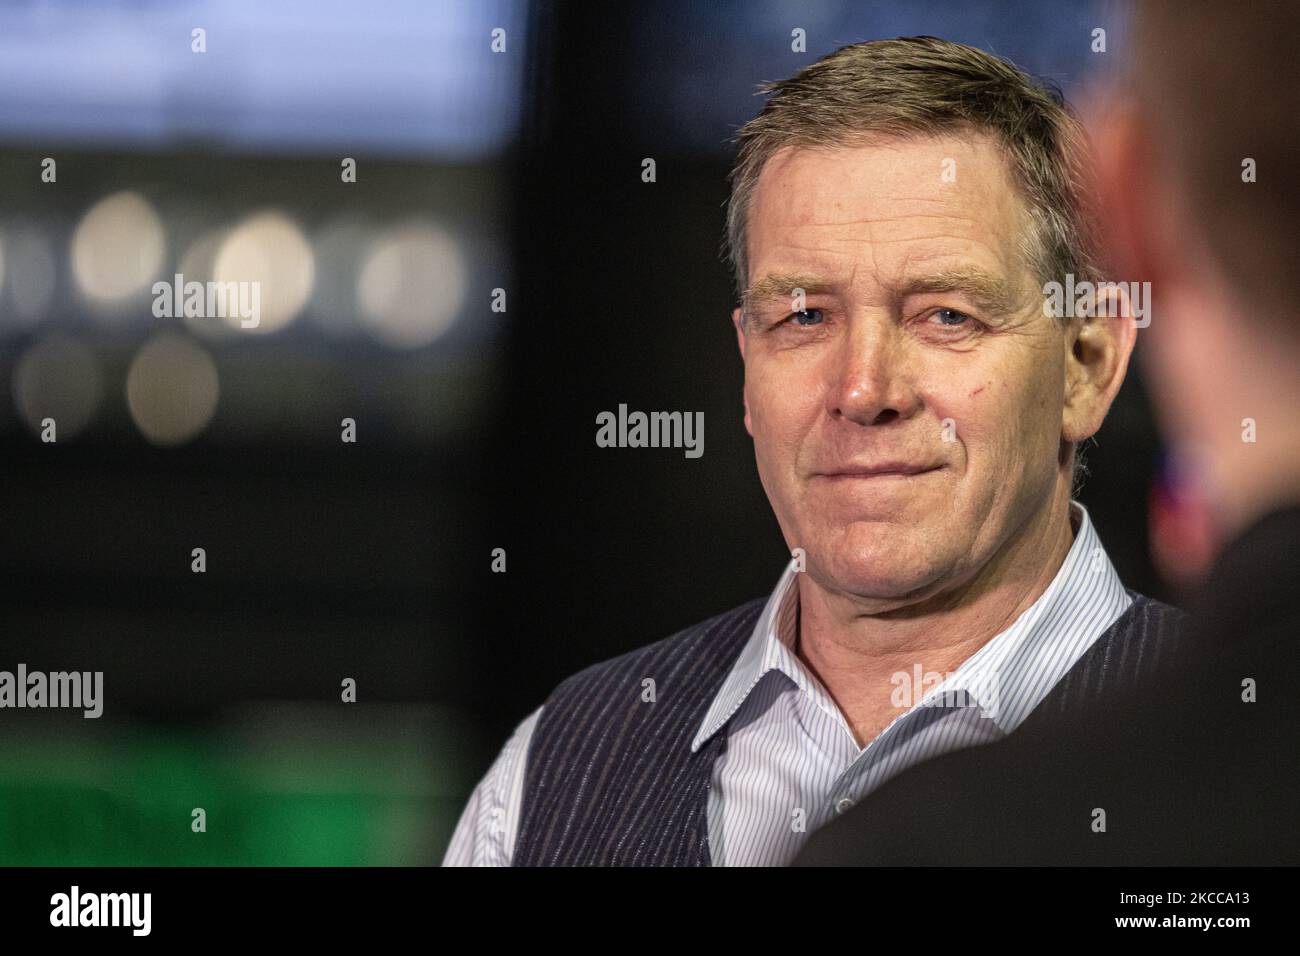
[
  {"x": 985, "y": 289},
  {"x": 781, "y": 285}
]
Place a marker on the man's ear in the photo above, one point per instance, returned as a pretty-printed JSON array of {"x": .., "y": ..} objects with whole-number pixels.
[
  {"x": 1096, "y": 361},
  {"x": 738, "y": 320}
]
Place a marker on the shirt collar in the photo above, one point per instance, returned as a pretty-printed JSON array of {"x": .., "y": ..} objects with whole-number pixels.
[{"x": 1008, "y": 677}]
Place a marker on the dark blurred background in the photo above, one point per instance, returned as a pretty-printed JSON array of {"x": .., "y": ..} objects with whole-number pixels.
[{"x": 476, "y": 171}]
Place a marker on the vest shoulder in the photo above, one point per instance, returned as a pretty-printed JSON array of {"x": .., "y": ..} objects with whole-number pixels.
[
  {"x": 1148, "y": 633},
  {"x": 1152, "y": 615},
  {"x": 1126, "y": 655}
]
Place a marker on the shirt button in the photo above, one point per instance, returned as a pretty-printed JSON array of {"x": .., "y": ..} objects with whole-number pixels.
[{"x": 843, "y": 805}]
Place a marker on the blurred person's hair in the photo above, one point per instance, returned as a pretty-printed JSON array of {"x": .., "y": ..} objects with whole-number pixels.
[
  {"x": 1212, "y": 79},
  {"x": 918, "y": 86}
]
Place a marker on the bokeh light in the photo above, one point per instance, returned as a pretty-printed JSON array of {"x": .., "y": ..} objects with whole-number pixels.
[
  {"x": 267, "y": 248},
  {"x": 58, "y": 378},
  {"x": 412, "y": 285},
  {"x": 171, "y": 389},
  {"x": 117, "y": 249}
]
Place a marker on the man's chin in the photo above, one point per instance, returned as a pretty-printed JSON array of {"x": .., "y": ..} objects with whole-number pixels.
[{"x": 885, "y": 584}]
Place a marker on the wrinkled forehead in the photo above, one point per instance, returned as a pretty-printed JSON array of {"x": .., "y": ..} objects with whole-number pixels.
[{"x": 880, "y": 208}]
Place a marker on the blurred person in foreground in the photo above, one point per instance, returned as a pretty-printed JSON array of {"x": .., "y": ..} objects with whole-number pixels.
[
  {"x": 896, "y": 208},
  {"x": 1199, "y": 158}
]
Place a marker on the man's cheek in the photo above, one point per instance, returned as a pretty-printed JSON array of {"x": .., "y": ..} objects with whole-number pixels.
[
  {"x": 775, "y": 408},
  {"x": 957, "y": 419},
  {"x": 1008, "y": 429},
  {"x": 982, "y": 412}
]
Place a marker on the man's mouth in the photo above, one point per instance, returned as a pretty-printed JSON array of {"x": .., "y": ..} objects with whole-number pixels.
[{"x": 888, "y": 469}]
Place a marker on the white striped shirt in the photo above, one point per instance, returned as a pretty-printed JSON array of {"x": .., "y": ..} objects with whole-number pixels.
[{"x": 792, "y": 762}]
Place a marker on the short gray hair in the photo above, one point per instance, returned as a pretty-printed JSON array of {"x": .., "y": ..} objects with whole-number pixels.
[{"x": 924, "y": 85}]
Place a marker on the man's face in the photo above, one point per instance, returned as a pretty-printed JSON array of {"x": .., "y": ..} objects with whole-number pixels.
[{"x": 908, "y": 422}]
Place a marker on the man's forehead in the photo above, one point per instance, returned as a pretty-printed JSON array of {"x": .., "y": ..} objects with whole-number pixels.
[
  {"x": 887, "y": 190},
  {"x": 941, "y": 201},
  {"x": 939, "y": 159}
]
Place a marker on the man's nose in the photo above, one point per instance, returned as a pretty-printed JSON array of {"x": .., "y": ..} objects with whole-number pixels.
[{"x": 872, "y": 378}]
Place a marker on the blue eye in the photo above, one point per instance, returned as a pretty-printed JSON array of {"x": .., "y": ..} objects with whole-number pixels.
[
  {"x": 808, "y": 317},
  {"x": 951, "y": 317}
]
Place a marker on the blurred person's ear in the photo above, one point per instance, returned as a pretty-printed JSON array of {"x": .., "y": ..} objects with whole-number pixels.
[
  {"x": 1135, "y": 205},
  {"x": 1150, "y": 233}
]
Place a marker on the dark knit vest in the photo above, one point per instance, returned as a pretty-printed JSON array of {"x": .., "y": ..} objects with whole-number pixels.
[{"x": 611, "y": 780}]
